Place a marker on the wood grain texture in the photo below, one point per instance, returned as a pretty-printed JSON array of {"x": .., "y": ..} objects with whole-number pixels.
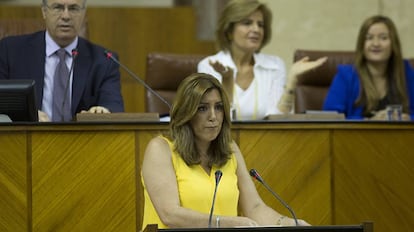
[
  {"x": 374, "y": 178},
  {"x": 296, "y": 164},
  {"x": 14, "y": 198},
  {"x": 84, "y": 181},
  {"x": 86, "y": 176},
  {"x": 135, "y": 32}
]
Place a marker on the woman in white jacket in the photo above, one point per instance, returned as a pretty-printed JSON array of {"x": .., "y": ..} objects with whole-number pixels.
[{"x": 257, "y": 84}]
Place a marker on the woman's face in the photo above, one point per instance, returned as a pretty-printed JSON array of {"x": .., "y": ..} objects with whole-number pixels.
[
  {"x": 248, "y": 34},
  {"x": 208, "y": 120},
  {"x": 377, "y": 48}
]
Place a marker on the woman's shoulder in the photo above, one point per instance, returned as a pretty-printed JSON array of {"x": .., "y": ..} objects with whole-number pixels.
[
  {"x": 159, "y": 141},
  {"x": 408, "y": 66},
  {"x": 218, "y": 56},
  {"x": 346, "y": 70},
  {"x": 345, "y": 67}
]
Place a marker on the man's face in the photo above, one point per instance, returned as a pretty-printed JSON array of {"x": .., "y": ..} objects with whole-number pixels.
[{"x": 64, "y": 19}]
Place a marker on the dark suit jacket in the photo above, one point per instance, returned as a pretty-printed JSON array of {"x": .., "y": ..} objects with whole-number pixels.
[{"x": 96, "y": 79}]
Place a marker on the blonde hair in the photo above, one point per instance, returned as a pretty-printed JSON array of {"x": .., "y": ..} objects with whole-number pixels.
[{"x": 235, "y": 11}]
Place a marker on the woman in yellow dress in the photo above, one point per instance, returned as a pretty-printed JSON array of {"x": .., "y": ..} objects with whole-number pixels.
[{"x": 178, "y": 172}]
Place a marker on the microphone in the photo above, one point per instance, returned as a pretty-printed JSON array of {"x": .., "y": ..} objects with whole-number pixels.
[
  {"x": 75, "y": 54},
  {"x": 109, "y": 55},
  {"x": 256, "y": 176},
  {"x": 218, "y": 175}
]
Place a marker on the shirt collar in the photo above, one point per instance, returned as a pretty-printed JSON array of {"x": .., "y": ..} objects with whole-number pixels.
[
  {"x": 52, "y": 46},
  {"x": 261, "y": 60},
  {"x": 264, "y": 62}
]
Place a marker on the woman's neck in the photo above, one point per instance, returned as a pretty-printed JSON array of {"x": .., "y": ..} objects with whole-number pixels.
[
  {"x": 202, "y": 147},
  {"x": 241, "y": 58},
  {"x": 378, "y": 70}
]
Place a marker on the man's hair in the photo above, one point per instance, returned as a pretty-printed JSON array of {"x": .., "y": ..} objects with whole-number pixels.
[{"x": 44, "y": 3}]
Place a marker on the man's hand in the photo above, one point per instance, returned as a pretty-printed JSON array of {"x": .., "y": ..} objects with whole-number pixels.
[
  {"x": 43, "y": 116},
  {"x": 97, "y": 110}
]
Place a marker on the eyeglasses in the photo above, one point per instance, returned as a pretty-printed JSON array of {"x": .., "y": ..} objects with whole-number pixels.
[{"x": 58, "y": 9}]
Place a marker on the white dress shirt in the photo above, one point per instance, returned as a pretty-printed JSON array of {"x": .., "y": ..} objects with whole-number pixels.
[{"x": 51, "y": 61}]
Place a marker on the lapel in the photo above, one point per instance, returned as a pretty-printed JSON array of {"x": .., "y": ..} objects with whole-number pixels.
[
  {"x": 80, "y": 73},
  {"x": 36, "y": 65}
]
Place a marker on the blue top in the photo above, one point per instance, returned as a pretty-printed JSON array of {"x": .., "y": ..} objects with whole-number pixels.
[{"x": 344, "y": 91}]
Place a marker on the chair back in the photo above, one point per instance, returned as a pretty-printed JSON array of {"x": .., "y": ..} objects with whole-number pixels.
[
  {"x": 313, "y": 86},
  {"x": 165, "y": 71}
]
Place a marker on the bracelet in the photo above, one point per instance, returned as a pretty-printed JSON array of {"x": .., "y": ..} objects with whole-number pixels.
[
  {"x": 279, "y": 221},
  {"x": 217, "y": 221}
]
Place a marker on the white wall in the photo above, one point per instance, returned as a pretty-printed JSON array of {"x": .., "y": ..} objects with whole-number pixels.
[{"x": 308, "y": 24}]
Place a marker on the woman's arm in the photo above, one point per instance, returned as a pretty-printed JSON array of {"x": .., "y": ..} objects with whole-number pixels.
[
  {"x": 300, "y": 67},
  {"x": 160, "y": 180},
  {"x": 227, "y": 75},
  {"x": 161, "y": 183}
]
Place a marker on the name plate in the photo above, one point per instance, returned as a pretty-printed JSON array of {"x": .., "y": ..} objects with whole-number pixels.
[
  {"x": 309, "y": 116},
  {"x": 118, "y": 117}
]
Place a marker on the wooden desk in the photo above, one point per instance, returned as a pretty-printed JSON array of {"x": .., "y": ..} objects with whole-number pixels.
[{"x": 86, "y": 176}]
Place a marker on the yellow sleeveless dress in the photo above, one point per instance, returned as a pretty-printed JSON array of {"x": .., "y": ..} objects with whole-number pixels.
[{"x": 196, "y": 189}]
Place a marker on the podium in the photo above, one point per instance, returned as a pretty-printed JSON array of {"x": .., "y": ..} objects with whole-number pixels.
[{"x": 364, "y": 227}]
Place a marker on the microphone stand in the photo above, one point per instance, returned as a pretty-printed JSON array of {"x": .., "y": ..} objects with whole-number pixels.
[
  {"x": 218, "y": 175},
  {"x": 110, "y": 56},
  {"x": 256, "y": 176}
]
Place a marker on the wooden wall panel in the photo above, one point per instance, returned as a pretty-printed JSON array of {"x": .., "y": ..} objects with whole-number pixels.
[
  {"x": 297, "y": 166},
  {"x": 14, "y": 197},
  {"x": 135, "y": 32},
  {"x": 84, "y": 181},
  {"x": 374, "y": 178}
]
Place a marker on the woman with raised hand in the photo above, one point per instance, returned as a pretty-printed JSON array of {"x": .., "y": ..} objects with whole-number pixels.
[{"x": 256, "y": 83}]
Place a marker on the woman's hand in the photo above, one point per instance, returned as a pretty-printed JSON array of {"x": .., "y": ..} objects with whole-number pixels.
[
  {"x": 382, "y": 115},
  {"x": 302, "y": 66},
  {"x": 286, "y": 221},
  {"x": 227, "y": 77},
  {"x": 225, "y": 71},
  {"x": 241, "y": 222},
  {"x": 303, "y": 223}
]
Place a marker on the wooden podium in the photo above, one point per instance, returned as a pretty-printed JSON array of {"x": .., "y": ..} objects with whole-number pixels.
[
  {"x": 85, "y": 176},
  {"x": 364, "y": 227}
]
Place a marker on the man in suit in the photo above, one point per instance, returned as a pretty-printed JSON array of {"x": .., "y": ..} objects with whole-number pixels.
[{"x": 94, "y": 84}]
